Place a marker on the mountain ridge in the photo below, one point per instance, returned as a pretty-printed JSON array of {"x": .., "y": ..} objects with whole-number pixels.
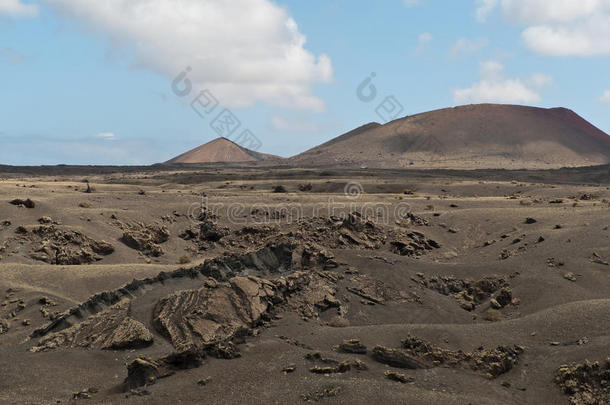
[{"x": 465, "y": 137}]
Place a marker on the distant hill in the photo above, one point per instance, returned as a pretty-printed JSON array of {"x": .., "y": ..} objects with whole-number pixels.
[
  {"x": 221, "y": 150},
  {"x": 469, "y": 137}
]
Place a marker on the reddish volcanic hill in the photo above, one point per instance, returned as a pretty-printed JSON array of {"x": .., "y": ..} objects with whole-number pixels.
[
  {"x": 221, "y": 150},
  {"x": 469, "y": 137}
]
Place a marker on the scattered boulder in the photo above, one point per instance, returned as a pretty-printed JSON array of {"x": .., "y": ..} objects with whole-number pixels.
[
  {"x": 570, "y": 276},
  {"x": 45, "y": 220},
  {"x": 342, "y": 367},
  {"x": 291, "y": 368},
  {"x": 332, "y": 366},
  {"x": 305, "y": 187},
  {"x": 597, "y": 259},
  {"x": 353, "y": 346},
  {"x": 411, "y": 219},
  {"x": 144, "y": 371},
  {"x": 4, "y": 326},
  {"x": 204, "y": 381},
  {"x": 398, "y": 377},
  {"x": 327, "y": 392},
  {"x": 587, "y": 197},
  {"x": 24, "y": 203}
]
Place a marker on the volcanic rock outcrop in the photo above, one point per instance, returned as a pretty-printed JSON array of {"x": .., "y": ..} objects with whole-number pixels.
[
  {"x": 53, "y": 245},
  {"x": 145, "y": 238},
  {"x": 111, "y": 329},
  {"x": 587, "y": 383},
  {"x": 417, "y": 353}
]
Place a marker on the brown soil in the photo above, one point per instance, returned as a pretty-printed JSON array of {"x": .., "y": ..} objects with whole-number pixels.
[{"x": 444, "y": 293}]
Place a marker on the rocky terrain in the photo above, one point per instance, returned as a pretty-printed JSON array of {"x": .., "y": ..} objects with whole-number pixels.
[{"x": 230, "y": 285}]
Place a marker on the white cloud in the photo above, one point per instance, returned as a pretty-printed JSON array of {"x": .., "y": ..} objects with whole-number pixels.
[
  {"x": 106, "y": 135},
  {"x": 411, "y": 3},
  {"x": 423, "y": 40},
  {"x": 293, "y": 125},
  {"x": 540, "y": 80},
  {"x": 16, "y": 8},
  {"x": 484, "y": 8},
  {"x": 11, "y": 56},
  {"x": 558, "y": 27},
  {"x": 495, "y": 87},
  {"x": 244, "y": 51},
  {"x": 465, "y": 46},
  {"x": 582, "y": 38},
  {"x": 545, "y": 11},
  {"x": 606, "y": 97},
  {"x": 91, "y": 151}
]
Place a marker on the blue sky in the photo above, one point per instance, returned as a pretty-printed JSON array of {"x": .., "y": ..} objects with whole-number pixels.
[{"x": 90, "y": 82}]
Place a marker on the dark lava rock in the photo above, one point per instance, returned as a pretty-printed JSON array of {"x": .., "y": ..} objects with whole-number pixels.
[
  {"x": 398, "y": 377},
  {"x": 327, "y": 392},
  {"x": 468, "y": 293},
  {"x": 587, "y": 383},
  {"x": 352, "y": 346},
  {"x": 490, "y": 363},
  {"x": 397, "y": 358},
  {"x": 144, "y": 371},
  {"x": 146, "y": 238},
  {"x": 211, "y": 232},
  {"x": 26, "y": 203},
  {"x": 65, "y": 247},
  {"x": 111, "y": 329},
  {"x": 4, "y": 326},
  {"x": 504, "y": 297}
]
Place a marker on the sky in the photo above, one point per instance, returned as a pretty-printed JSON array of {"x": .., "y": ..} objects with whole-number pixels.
[{"x": 141, "y": 81}]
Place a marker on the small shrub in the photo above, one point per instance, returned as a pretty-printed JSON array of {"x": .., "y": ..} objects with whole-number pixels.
[
  {"x": 492, "y": 315},
  {"x": 185, "y": 259},
  {"x": 305, "y": 187}
]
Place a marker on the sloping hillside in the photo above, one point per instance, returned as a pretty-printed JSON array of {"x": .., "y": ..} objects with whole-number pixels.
[{"x": 469, "y": 137}]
